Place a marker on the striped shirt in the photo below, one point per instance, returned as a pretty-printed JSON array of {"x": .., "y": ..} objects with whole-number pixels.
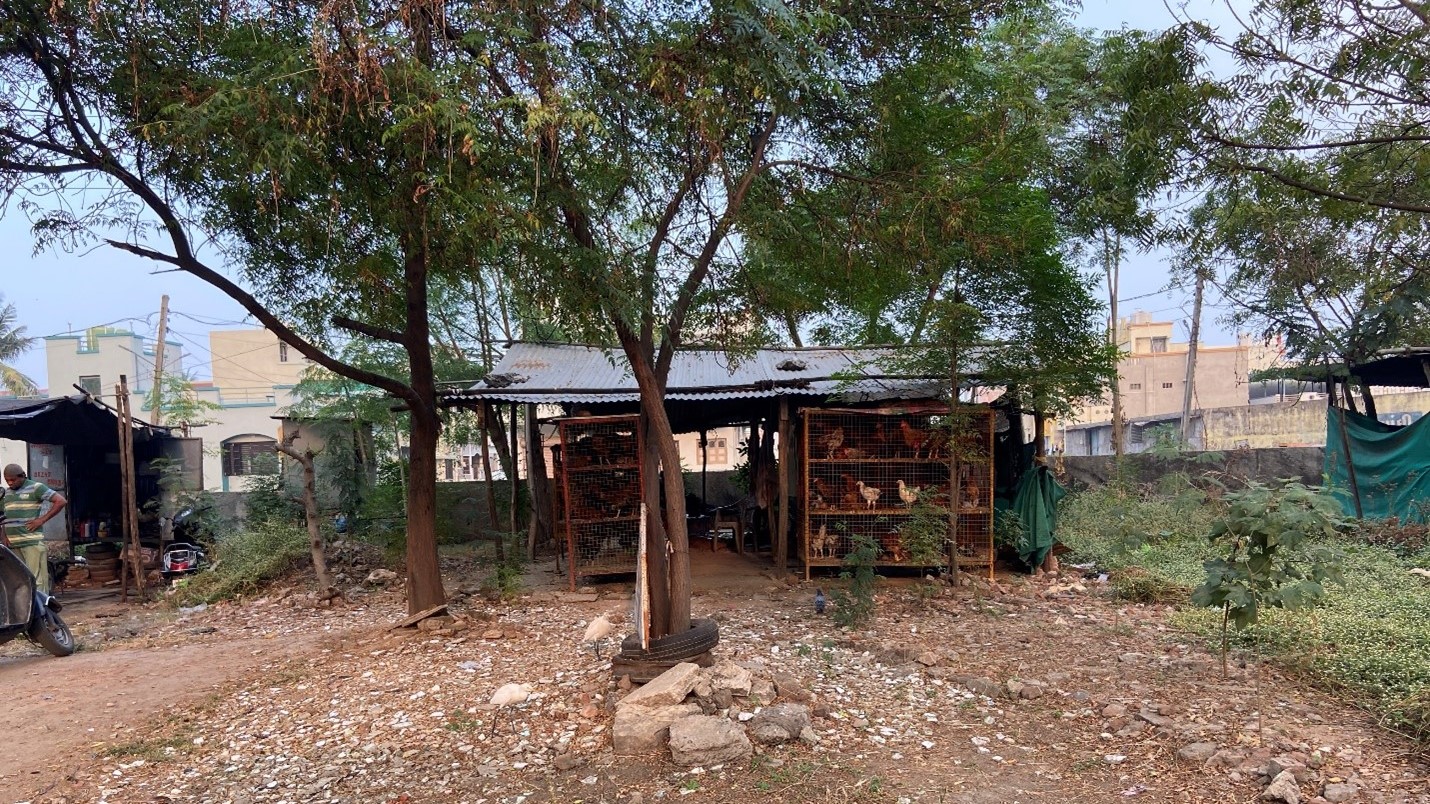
[{"x": 22, "y": 506}]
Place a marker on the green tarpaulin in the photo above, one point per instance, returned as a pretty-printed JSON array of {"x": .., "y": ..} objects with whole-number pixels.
[
  {"x": 1392, "y": 466},
  {"x": 1036, "y": 505}
]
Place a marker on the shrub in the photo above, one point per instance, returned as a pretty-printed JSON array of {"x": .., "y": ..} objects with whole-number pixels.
[
  {"x": 245, "y": 561},
  {"x": 853, "y": 607}
]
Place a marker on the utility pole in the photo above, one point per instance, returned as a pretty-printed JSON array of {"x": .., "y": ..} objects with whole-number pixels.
[
  {"x": 158, "y": 414},
  {"x": 1188, "y": 388},
  {"x": 1112, "y": 260}
]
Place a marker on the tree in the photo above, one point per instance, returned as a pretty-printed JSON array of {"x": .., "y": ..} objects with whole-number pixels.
[
  {"x": 658, "y": 129},
  {"x": 323, "y": 150},
  {"x": 13, "y": 343},
  {"x": 1340, "y": 281},
  {"x": 1330, "y": 99}
]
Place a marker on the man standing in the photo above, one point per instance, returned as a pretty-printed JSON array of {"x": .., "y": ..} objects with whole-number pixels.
[{"x": 23, "y": 503}]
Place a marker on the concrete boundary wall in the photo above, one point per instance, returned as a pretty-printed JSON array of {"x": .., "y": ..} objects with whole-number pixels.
[{"x": 1301, "y": 463}]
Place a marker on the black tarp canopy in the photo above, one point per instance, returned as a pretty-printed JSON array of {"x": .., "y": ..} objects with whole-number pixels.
[{"x": 71, "y": 421}]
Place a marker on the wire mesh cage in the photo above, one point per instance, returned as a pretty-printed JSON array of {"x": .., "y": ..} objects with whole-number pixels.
[
  {"x": 600, "y": 471},
  {"x": 905, "y": 479}
]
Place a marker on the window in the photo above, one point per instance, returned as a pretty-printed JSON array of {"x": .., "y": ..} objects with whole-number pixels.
[
  {"x": 1136, "y": 386},
  {"x": 252, "y": 457},
  {"x": 716, "y": 451},
  {"x": 282, "y": 352},
  {"x": 1166, "y": 385},
  {"x": 1159, "y": 344},
  {"x": 90, "y": 384}
]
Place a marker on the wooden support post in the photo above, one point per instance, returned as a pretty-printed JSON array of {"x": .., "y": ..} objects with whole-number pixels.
[
  {"x": 539, "y": 488},
  {"x": 489, "y": 483},
  {"x": 129, "y": 512},
  {"x": 785, "y": 454},
  {"x": 515, "y": 490}
]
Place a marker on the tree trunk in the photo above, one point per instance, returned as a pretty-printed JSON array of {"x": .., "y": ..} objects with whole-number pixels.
[
  {"x": 1040, "y": 442},
  {"x": 657, "y": 566},
  {"x": 1368, "y": 399},
  {"x": 424, "y": 577},
  {"x": 662, "y": 438},
  {"x": 310, "y": 513},
  {"x": 539, "y": 485}
]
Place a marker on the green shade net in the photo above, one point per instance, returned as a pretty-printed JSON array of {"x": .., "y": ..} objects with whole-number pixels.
[
  {"x": 1036, "y": 506},
  {"x": 1392, "y": 466}
]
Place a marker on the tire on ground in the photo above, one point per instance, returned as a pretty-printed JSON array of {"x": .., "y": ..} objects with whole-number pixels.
[{"x": 703, "y": 635}]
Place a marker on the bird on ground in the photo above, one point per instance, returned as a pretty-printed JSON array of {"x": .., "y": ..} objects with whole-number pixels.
[
  {"x": 596, "y": 633},
  {"x": 507, "y": 696},
  {"x": 869, "y": 493},
  {"x": 819, "y": 601},
  {"x": 833, "y": 441},
  {"x": 909, "y": 494}
]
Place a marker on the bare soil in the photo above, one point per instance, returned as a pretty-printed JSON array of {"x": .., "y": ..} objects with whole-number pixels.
[{"x": 276, "y": 701}]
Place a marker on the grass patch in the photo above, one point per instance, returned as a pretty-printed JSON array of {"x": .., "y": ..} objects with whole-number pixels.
[
  {"x": 158, "y": 749},
  {"x": 1370, "y": 640},
  {"x": 246, "y": 561}
]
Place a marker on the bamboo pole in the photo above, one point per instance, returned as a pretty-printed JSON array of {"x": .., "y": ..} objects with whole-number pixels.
[
  {"x": 782, "y": 527},
  {"x": 128, "y": 492}
]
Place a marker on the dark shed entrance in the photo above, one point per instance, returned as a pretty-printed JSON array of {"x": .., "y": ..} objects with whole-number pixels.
[{"x": 73, "y": 447}]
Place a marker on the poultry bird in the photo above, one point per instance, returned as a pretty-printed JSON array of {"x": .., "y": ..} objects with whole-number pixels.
[
  {"x": 914, "y": 438},
  {"x": 909, "y": 494},
  {"x": 869, "y": 493},
  {"x": 818, "y": 543},
  {"x": 833, "y": 441},
  {"x": 821, "y": 488},
  {"x": 819, "y": 601}
]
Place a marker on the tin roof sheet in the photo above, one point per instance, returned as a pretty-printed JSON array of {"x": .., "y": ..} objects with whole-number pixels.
[{"x": 572, "y": 373}]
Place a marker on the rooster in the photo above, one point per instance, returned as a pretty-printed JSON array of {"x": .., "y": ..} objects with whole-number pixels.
[
  {"x": 909, "y": 494},
  {"x": 869, "y": 493},
  {"x": 834, "y": 441},
  {"x": 914, "y": 438},
  {"x": 821, "y": 488}
]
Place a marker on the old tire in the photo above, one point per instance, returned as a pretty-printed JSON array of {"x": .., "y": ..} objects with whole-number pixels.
[
  {"x": 703, "y": 636},
  {"x": 53, "y": 635}
]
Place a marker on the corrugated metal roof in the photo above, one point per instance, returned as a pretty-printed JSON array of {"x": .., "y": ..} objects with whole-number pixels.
[{"x": 570, "y": 373}]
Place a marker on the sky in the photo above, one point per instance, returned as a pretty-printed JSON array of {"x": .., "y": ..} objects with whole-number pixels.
[{"x": 55, "y": 292}]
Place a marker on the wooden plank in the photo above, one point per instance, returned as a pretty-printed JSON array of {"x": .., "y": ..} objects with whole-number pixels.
[
  {"x": 412, "y": 620},
  {"x": 785, "y": 456}
]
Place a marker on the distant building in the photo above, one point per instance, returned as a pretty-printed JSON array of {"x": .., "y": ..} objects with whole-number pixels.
[{"x": 1152, "y": 380}]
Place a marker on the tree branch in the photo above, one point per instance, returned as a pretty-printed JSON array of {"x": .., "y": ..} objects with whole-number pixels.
[
  {"x": 1324, "y": 192},
  {"x": 371, "y": 331},
  {"x": 246, "y": 300}
]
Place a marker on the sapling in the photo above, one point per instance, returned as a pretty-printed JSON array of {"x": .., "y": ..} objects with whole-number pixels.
[{"x": 1272, "y": 559}]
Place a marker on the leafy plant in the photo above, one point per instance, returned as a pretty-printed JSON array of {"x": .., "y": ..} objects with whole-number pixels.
[
  {"x": 270, "y": 501},
  {"x": 1269, "y": 561},
  {"x": 924, "y": 536},
  {"x": 245, "y": 561},
  {"x": 855, "y": 605}
]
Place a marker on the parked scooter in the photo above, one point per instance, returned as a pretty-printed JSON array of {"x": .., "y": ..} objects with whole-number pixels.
[
  {"x": 24, "y": 609},
  {"x": 183, "y": 558}
]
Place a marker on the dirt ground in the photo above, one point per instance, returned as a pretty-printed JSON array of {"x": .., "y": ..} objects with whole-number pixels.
[{"x": 1028, "y": 690}]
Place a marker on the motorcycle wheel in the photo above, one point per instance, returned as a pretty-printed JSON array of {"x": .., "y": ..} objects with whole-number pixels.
[{"x": 53, "y": 635}]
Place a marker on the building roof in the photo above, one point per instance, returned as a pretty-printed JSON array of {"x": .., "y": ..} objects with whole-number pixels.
[
  {"x": 547, "y": 373},
  {"x": 1407, "y": 367}
]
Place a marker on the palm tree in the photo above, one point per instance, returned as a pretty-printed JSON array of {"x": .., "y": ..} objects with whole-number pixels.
[{"x": 13, "y": 343}]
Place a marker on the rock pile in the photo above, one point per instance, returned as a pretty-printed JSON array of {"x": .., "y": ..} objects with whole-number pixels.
[{"x": 710, "y": 715}]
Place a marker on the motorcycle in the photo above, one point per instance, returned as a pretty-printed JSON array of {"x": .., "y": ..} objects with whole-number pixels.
[{"x": 24, "y": 609}]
